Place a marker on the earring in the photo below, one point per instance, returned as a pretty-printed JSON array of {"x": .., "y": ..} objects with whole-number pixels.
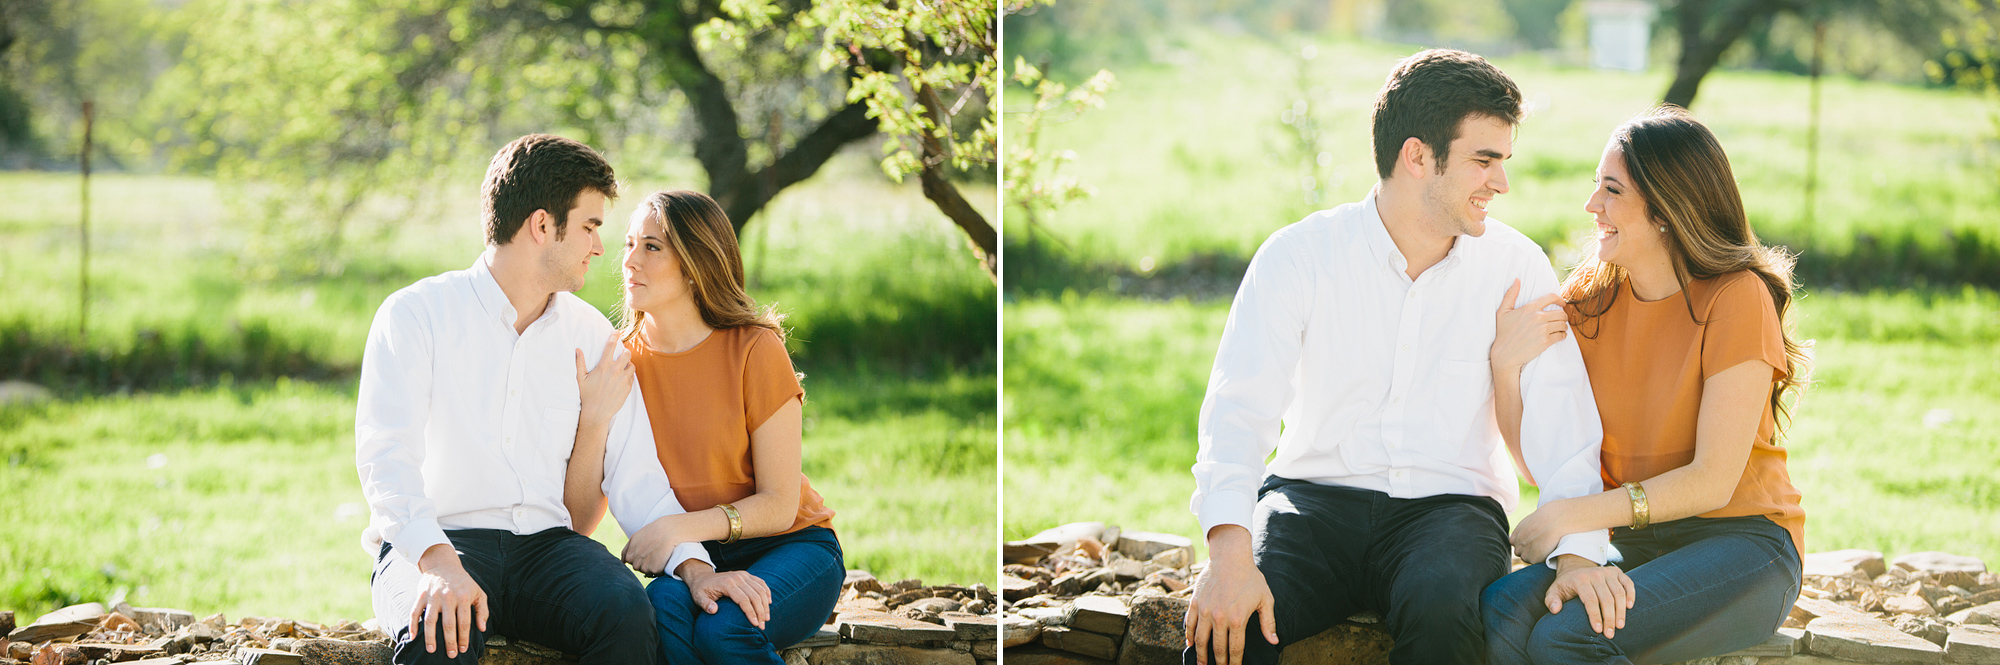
[{"x": 1663, "y": 229}]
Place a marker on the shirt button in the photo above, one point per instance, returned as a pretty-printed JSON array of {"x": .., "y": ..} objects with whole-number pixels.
[
  {"x": 1395, "y": 400},
  {"x": 1406, "y": 347}
]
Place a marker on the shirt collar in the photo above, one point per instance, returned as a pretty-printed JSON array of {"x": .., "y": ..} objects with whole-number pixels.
[
  {"x": 493, "y": 299},
  {"x": 1377, "y": 234},
  {"x": 1384, "y": 247}
]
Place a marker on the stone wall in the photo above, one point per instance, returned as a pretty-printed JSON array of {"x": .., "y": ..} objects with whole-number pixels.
[
  {"x": 904, "y": 623},
  {"x": 1087, "y": 593}
]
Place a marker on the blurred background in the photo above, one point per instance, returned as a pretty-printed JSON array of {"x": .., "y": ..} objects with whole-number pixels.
[
  {"x": 1152, "y": 146},
  {"x": 177, "y": 414}
]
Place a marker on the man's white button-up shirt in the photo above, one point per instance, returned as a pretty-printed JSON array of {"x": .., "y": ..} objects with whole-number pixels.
[
  {"x": 1383, "y": 383},
  {"x": 465, "y": 424}
]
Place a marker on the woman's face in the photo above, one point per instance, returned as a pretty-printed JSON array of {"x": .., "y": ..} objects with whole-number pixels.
[
  {"x": 1626, "y": 234},
  {"x": 653, "y": 277}
]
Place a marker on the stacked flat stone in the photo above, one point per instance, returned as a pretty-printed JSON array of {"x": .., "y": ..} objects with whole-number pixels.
[
  {"x": 906, "y": 623},
  {"x": 1090, "y": 594}
]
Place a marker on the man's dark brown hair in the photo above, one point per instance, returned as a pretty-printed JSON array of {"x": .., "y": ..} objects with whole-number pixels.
[
  {"x": 540, "y": 172},
  {"x": 1429, "y": 93}
]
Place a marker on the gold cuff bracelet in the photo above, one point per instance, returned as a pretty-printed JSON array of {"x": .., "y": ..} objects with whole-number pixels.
[
  {"x": 1641, "y": 513},
  {"x": 735, "y": 522}
]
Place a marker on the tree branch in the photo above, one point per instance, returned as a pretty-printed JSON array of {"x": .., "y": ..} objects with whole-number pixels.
[
  {"x": 985, "y": 240},
  {"x": 805, "y": 157}
]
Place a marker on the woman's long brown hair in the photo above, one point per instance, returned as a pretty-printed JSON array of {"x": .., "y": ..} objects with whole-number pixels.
[
  {"x": 705, "y": 243},
  {"x": 1682, "y": 172}
]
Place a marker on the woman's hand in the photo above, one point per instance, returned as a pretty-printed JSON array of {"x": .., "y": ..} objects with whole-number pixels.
[
  {"x": 605, "y": 388},
  {"x": 1540, "y": 532},
  {"x": 749, "y": 591},
  {"x": 1521, "y": 333},
  {"x": 651, "y": 547},
  {"x": 1605, "y": 591}
]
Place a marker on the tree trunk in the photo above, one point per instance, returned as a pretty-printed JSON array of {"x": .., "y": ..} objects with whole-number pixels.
[
  {"x": 1702, "y": 48},
  {"x": 721, "y": 149},
  {"x": 985, "y": 240}
]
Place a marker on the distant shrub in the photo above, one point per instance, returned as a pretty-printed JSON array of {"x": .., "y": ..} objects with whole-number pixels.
[{"x": 155, "y": 359}]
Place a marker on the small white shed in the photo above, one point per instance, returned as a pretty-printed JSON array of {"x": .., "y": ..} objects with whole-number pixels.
[{"x": 1620, "y": 33}]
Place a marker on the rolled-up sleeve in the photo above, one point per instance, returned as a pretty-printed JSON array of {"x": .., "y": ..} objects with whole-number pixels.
[
  {"x": 392, "y": 409},
  {"x": 1250, "y": 385},
  {"x": 1561, "y": 436},
  {"x": 634, "y": 482}
]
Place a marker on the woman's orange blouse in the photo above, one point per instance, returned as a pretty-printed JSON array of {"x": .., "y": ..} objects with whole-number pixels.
[
  {"x": 1647, "y": 363},
  {"x": 704, "y": 403}
]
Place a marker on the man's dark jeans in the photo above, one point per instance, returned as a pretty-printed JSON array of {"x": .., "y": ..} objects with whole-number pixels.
[
  {"x": 555, "y": 588},
  {"x": 1330, "y": 552},
  {"x": 1705, "y": 587}
]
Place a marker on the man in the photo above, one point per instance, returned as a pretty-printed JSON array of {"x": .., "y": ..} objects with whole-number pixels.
[
  {"x": 1364, "y": 330},
  {"x": 469, "y": 408}
]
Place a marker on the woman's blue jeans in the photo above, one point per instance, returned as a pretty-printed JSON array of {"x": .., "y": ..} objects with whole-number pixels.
[
  {"x": 1705, "y": 587},
  {"x": 804, "y": 570}
]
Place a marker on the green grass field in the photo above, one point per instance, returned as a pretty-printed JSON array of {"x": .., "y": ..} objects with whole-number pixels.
[
  {"x": 1103, "y": 395},
  {"x": 1178, "y": 173},
  {"x": 1894, "y": 447},
  {"x": 239, "y": 494}
]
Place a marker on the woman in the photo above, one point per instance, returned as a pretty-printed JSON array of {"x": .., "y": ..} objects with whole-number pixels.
[
  {"x": 1680, "y": 317},
  {"x": 725, "y": 409}
]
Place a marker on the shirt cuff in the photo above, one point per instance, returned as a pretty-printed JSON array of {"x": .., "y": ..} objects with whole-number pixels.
[
  {"x": 1225, "y": 507},
  {"x": 682, "y": 553},
  {"x": 1592, "y": 545},
  {"x": 416, "y": 538}
]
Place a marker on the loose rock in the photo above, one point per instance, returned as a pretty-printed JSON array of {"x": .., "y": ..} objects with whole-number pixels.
[
  {"x": 1844, "y": 563},
  {"x": 1946, "y": 568},
  {"x": 1973, "y": 645},
  {"x": 1098, "y": 614},
  {"x": 1868, "y": 641}
]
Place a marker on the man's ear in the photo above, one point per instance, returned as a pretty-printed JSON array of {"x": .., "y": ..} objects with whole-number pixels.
[
  {"x": 540, "y": 227},
  {"x": 1415, "y": 157}
]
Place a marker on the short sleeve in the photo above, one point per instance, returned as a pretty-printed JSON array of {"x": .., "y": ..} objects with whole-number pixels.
[
  {"x": 768, "y": 379},
  {"x": 1742, "y": 325}
]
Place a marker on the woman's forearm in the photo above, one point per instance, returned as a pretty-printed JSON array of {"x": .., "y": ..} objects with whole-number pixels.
[
  {"x": 1507, "y": 411},
  {"x": 762, "y": 513},
  {"x": 583, "y": 481},
  {"x": 768, "y": 512},
  {"x": 1684, "y": 492}
]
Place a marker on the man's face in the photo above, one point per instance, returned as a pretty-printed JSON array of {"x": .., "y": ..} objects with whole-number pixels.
[
  {"x": 567, "y": 261},
  {"x": 1474, "y": 173}
]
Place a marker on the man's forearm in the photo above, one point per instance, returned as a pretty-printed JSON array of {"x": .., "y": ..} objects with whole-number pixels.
[
  {"x": 1229, "y": 545},
  {"x": 438, "y": 557}
]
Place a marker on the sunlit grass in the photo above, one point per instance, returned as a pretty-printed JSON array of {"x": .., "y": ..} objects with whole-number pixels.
[
  {"x": 893, "y": 326},
  {"x": 1896, "y": 446},
  {"x": 1195, "y": 156}
]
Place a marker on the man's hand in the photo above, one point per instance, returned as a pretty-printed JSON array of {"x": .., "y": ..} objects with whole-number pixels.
[
  {"x": 1225, "y": 596},
  {"x": 652, "y": 546},
  {"x": 447, "y": 591},
  {"x": 1541, "y": 531},
  {"x": 1604, "y": 590},
  {"x": 1520, "y": 334},
  {"x": 605, "y": 388},
  {"x": 707, "y": 587}
]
